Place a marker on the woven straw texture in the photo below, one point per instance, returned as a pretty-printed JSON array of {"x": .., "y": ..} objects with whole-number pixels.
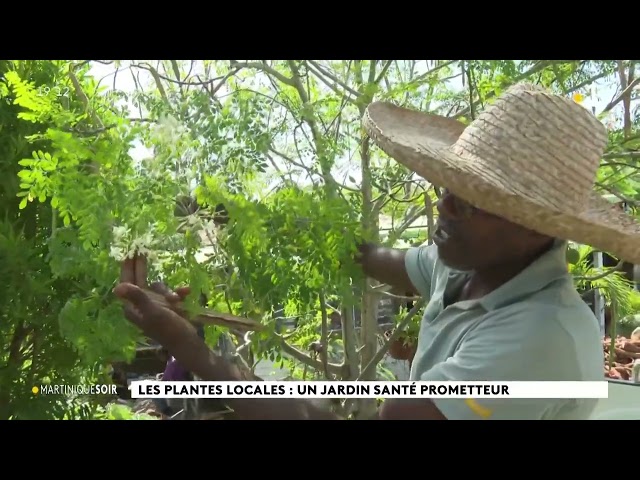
[{"x": 530, "y": 157}]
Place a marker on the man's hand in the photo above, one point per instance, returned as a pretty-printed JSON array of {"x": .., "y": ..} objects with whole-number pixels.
[
  {"x": 156, "y": 321},
  {"x": 363, "y": 248}
]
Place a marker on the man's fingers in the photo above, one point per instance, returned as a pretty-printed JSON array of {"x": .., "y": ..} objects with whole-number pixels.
[
  {"x": 132, "y": 314},
  {"x": 165, "y": 291},
  {"x": 136, "y": 297},
  {"x": 134, "y": 271},
  {"x": 128, "y": 271},
  {"x": 140, "y": 270}
]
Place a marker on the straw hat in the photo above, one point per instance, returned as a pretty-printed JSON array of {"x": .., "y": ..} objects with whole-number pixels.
[{"x": 531, "y": 157}]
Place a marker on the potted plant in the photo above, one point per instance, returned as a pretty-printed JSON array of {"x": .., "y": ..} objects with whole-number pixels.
[{"x": 404, "y": 346}]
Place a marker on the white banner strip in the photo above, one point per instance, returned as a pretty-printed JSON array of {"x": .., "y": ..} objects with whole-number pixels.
[{"x": 403, "y": 389}]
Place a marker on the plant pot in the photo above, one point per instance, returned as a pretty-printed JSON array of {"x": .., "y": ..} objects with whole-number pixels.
[{"x": 401, "y": 348}]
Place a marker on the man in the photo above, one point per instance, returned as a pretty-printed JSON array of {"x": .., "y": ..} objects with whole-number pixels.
[
  {"x": 502, "y": 306},
  {"x": 174, "y": 372},
  {"x": 186, "y": 205}
]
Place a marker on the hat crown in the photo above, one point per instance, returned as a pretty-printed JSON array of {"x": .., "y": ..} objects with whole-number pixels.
[{"x": 540, "y": 145}]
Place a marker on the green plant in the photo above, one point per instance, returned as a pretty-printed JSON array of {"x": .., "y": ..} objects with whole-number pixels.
[
  {"x": 610, "y": 282},
  {"x": 409, "y": 335},
  {"x": 121, "y": 412}
]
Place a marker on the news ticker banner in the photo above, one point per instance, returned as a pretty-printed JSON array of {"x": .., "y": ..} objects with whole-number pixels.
[{"x": 357, "y": 389}]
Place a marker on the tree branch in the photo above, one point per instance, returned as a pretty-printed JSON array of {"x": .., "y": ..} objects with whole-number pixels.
[
  {"x": 306, "y": 359},
  {"x": 541, "y": 65},
  {"x": 608, "y": 272},
  {"x": 332, "y": 86},
  {"x": 265, "y": 68},
  {"x": 394, "y": 336},
  {"x": 620, "y": 97},
  {"x": 332, "y": 77}
]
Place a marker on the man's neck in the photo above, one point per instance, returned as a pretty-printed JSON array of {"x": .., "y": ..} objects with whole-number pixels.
[{"x": 483, "y": 282}]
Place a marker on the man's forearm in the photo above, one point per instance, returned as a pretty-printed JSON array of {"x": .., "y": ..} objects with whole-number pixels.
[
  {"x": 198, "y": 358},
  {"x": 386, "y": 265}
]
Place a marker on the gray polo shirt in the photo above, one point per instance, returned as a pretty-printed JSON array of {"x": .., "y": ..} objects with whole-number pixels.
[{"x": 533, "y": 328}]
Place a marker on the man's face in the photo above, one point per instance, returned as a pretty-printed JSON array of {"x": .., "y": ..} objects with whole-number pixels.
[{"x": 471, "y": 239}]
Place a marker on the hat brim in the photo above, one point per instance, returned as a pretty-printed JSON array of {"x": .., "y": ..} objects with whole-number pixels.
[{"x": 422, "y": 142}]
